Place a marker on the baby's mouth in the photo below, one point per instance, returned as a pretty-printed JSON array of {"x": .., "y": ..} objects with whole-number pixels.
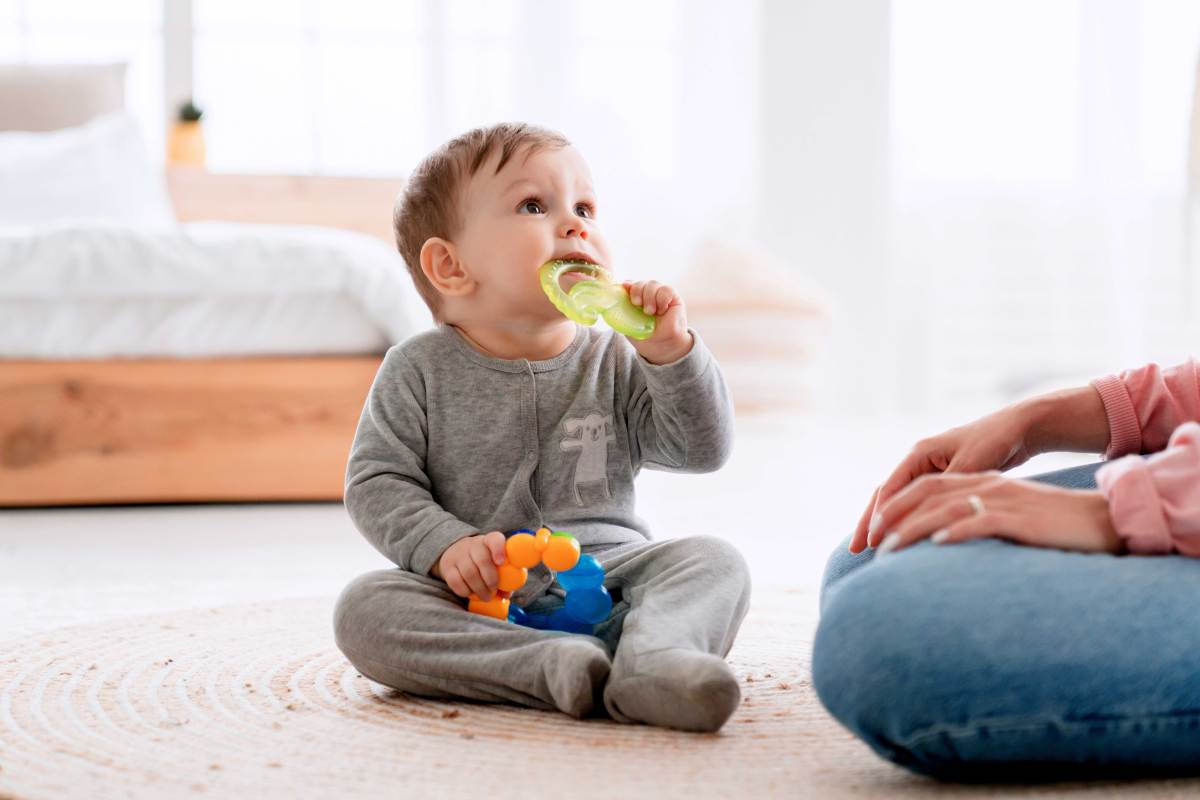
[
  {"x": 576, "y": 270},
  {"x": 569, "y": 279}
]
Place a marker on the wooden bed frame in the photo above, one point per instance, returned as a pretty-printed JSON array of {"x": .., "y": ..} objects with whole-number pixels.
[{"x": 197, "y": 430}]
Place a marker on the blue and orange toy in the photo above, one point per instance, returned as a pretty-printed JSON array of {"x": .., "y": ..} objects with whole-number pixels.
[{"x": 587, "y": 602}]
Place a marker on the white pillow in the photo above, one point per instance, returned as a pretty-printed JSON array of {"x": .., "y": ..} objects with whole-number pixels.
[
  {"x": 47, "y": 97},
  {"x": 96, "y": 172},
  {"x": 204, "y": 289}
]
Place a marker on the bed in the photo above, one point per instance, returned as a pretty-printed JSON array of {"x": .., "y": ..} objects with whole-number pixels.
[
  {"x": 222, "y": 354},
  {"x": 221, "y": 398}
]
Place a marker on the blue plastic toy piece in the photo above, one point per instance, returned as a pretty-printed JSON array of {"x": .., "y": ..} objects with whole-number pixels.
[{"x": 587, "y": 602}]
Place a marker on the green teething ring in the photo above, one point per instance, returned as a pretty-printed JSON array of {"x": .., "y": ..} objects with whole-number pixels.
[{"x": 595, "y": 298}]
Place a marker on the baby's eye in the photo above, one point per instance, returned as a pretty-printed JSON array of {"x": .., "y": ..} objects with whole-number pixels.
[
  {"x": 531, "y": 206},
  {"x": 585, "y": 210}
]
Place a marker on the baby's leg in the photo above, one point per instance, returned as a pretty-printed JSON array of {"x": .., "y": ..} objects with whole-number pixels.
[
  {"x": 687, "y": 598},
  {"x": 410, "y": 632}
]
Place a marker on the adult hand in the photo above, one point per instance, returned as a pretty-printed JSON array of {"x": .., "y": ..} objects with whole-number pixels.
[
  {"x": 957, "y": 508},
  {"x": 995, "y": 442}
]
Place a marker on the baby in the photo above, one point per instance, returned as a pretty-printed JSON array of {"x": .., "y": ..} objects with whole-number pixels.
[{"x": 508, "y": 415}]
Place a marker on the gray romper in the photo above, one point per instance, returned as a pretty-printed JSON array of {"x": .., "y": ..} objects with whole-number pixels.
[{"x": 452, "y": 443}]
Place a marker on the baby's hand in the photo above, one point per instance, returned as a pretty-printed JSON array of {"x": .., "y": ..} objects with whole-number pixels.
[
  {"x": 671, "y": 340},
  {"x": 469, "y": 565}
]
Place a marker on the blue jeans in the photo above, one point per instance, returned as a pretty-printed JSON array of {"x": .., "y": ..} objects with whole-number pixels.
[{"x": 963, "y": 661}]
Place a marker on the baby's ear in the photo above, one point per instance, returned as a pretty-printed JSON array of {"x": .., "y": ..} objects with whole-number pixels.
[{"x": 439, "y": 262}]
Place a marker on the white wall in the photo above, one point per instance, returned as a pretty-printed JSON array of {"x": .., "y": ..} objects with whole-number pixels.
[
  {"x": 1037, "y": 201},
  {"x": 991, "y": 193},
  {"x": 823, "y": 175}
]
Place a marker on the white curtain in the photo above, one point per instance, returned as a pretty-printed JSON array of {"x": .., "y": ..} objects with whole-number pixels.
[
  {"x": 1038, "y": 192},
  {"x": 657, "y": 94}
]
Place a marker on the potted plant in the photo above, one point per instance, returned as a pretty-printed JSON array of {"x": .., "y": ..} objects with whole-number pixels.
[{"x": 185, "y": 143}]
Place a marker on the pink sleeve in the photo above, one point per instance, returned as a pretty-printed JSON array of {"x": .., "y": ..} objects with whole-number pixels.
[
  {"x": 1146, "y": 405},
  {"x": 1154, "y": 502}
]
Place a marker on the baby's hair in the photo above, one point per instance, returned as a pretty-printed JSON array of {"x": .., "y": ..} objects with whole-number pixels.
[{"x": 430, "y": 204}]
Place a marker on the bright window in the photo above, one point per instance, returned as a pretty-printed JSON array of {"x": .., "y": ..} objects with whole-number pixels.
[{"x": 79, "y": 31}]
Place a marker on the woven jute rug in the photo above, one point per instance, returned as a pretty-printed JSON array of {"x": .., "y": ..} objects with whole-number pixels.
[{"x": 255, "y": 701}]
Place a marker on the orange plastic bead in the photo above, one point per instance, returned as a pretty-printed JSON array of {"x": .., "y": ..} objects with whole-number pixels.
[
  {"x": 522, "y": 551},
  {"x": 543, "y": 539},
  {"x": 561, "y": 554},
  {"x": 497, "y": 607},
  {"x": 512, "y": 577}
]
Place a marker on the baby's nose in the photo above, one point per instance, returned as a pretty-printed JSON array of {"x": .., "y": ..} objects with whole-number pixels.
[{"x": 572, "y": 228}]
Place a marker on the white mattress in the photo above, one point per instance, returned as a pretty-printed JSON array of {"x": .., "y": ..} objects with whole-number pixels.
[{"x": 204, "y": 290}]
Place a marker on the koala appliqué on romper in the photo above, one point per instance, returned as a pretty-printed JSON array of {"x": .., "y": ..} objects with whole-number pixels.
[{"x": 589, "y": 435}]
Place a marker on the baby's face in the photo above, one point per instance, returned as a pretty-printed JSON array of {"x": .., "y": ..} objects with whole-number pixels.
[{"x": 538, "y": 208}]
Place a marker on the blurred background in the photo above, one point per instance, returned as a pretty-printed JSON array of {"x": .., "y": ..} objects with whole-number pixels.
[
  {"x": 987, "y": 197},
  {"x": 887, "y": 217}
]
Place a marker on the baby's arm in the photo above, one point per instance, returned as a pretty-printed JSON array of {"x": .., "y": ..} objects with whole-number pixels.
[
  {"x": 671, "y": 339},
  {"x": 388, "y": 495},
  {"x": 678, "y": 409}
]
